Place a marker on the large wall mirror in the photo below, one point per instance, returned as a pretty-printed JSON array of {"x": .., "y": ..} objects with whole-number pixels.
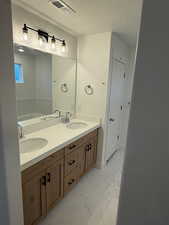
[{"x": 44, "y": 83}]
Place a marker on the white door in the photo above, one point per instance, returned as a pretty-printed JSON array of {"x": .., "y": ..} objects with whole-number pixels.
[{"x": 115, "y": 104}]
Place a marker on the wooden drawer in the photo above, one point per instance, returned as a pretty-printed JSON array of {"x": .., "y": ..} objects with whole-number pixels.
[
  {"x": 71, "y": 180},
  {"x": 91, "y": 135},
  {"x": 75, "y": 159},
  {"x": 71, "y": 161},
  {"x": 74, "y": 145},
  {"x": 42, "y": 165}
]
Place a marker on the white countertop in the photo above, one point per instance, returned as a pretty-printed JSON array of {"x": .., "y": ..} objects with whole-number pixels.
[{"x": 58, "y": 136}]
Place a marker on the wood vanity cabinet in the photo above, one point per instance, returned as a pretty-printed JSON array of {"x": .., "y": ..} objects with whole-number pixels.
[
  {"x": 54, "y": 184},
  {"x": 34, "y": 197},
  {"x": 42, "y": 186},
  {"x": 46, "y": 182},
  {"x": 90, "y": 153}
]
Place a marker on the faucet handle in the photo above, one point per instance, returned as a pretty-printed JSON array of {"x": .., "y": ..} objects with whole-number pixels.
[
  {"x": 68, "y": 115},
  {"x": 57, "y": 111}
]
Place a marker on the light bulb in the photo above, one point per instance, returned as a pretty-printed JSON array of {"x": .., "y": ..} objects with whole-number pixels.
[
  {"x": 53, "y": 43},
  {"x": 25, "y": 32},
  {"x": 63, "y": 47},
  {"x": 25, "y": 36},
  {"x": 20, "y": 49},
  {"x": 53, "y": 46},
  {"x": 40, "y": 41}
]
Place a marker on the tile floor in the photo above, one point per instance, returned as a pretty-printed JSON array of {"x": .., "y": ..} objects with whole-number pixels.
[{"x": 94, "y": 200}]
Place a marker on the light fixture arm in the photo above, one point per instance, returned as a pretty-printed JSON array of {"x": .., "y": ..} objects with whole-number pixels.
[{"x": 43, "y": 34}]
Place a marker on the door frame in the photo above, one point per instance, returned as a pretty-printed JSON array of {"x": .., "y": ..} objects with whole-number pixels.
[
  {"x": 12, "y": 211},
  {"x": 108, "y": 100}
]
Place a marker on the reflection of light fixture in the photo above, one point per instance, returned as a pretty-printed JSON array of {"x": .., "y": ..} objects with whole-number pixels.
[
  {"x": 40, "y": 40},
  {"x": 43, "y": 37},
  {"x": 20, "y": 49},
  {"x": 25, "y": 32},
  {"x": 53, "y": 42},
  {"x": 63, "y": 47}
]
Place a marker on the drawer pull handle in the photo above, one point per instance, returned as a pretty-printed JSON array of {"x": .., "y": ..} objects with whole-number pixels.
[
  {"x": 48, "y": 177},
  {"x": 88, "y": 147},
  {"x": 72, "y": 146},
  {"x": 70, "y": 163},
  {"x": 44, "y": 180},
  {"x": 71, "y": 182}
]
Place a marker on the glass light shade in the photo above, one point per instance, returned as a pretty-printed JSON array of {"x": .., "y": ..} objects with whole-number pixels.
[
  {"x": 41, "y": 42},
  {"x": 63, "y": 48},
  {"x": 53, "y": 46},
  {"x": 53, "y": 43},
  {"x": 25, "y": 33}
]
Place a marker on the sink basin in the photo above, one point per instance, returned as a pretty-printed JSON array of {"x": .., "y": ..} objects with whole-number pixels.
[
  {"x": 32, "y": 145},
  {"x": 76, "y": 125}
]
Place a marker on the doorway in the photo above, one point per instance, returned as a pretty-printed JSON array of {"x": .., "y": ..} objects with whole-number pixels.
[{"x": 115, "y": 115}]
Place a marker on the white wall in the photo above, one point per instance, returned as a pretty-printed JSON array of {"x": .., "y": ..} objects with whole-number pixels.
[
  {"x": 93, "y": 69},
  {"x": 10, "y": 178},
  {"x": 44, "y": 83},
  {"x": 144, "y": 197},
  {"x": 27, "y": 89},
  {"x": 63, "y": 71},
  {"x": 25, "y": 92},
  {"x": 21, "y": 16},
  {"x": 34, "y": 96},
  {"x": 95, "y": 64}
]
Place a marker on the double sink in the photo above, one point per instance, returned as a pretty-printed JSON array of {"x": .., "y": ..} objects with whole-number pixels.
[{"x": 36, "y": 144}]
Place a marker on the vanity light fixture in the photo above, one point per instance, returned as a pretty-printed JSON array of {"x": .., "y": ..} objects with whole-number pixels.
[
  {"x": 63, "y": 46},
  {"x": 20, "y": 49},
  {"x": 25, "y": 32},
  {"x": 53, "y": 43},
  {"x": 43, "y": 37}
]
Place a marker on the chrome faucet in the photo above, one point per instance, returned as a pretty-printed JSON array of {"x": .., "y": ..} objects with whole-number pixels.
[
  {"x": 66, "y": 118},
  {"x": 59, "y": 112},
  {"x": 20, "y": 131},
  {"x": 52, "y": 116}
]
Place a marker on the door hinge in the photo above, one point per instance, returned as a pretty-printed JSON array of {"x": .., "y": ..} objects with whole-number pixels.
[{"x": 124, "y": 75}]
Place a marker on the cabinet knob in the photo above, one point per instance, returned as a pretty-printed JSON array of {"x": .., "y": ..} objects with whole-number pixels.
[
  {"x": 88, "y": 147},
  {"x": 71, "y": 182},
  {"x": 71, "y": 162},
  {"x": 111, "y": 120},
  {"x": 48, "y": 177},
  {"x": 44, "y": 180}
]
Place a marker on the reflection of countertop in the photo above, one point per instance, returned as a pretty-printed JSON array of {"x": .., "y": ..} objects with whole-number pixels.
[{"x": 58, "y": 136}]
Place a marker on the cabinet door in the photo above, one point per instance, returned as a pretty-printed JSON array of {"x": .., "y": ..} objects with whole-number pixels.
[
  {"x": 81, "y": 160},
  {"x": 90, "y": 153},
  {"x": 54, "y": 187},
  {"x": 34, "y": 199}
]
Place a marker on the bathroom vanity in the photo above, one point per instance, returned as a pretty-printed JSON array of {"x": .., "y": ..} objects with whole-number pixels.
[
  {"x": 57, "y": 146},
  {"x": 47, "y": 177}
]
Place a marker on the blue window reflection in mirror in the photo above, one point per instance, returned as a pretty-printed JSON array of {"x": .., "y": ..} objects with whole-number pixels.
[{"x": 18, "y": 73}]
